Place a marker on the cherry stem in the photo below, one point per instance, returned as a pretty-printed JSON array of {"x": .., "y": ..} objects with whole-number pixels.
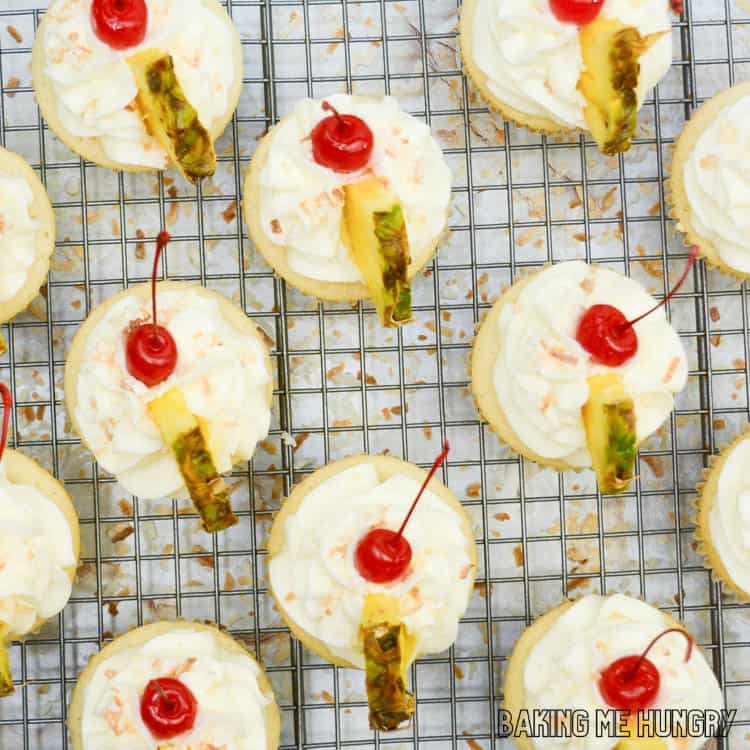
[
  {"x": 675, "y": 288},
  {"x": 438, "y": 461},
  {"x": 330, "y": 108},
  {"x": 161, "y": 243},
  {"x": 7, "y": 406},
  {"x": 688, "y": 651},
  {"x": 167, "y": 701}
]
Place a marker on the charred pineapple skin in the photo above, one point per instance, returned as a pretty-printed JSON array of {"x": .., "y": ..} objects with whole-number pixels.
[
  {"x": 388, "y": 651},
  {"x": 170, "y": 117},
  {"x": 610, "y": 424},
  {"x": 379, "y": 245},
  {"x": 187, "y": 440},
  {"x": 611, "y": 52}
]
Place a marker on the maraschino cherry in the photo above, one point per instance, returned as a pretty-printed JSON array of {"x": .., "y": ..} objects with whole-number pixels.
[
  {"x": 7, "y": 406},
  {"x": 579, "y": 12},
  {"x": 120, "y": 23},
  {"x": 608, "y": 336},
  {"x": 383, "y": 555},
  {"x": 168, "y": 708},
  {"x": 150, "y": 350},
  {"x": 342, "y": 143},
  {"x": 632, "y": 682}
]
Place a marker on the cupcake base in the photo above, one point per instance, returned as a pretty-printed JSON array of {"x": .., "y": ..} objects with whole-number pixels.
[
  {"x": 386, "y": 467},
  {"x": 41, "y": 211},
  {"x": 677, "y": 194},
  {"x": 276, "y": 255},
  {"x": 138, "y": 637},
  {"x": 90, "y": 149}
]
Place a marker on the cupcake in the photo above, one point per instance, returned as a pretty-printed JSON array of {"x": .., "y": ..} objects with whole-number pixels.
[
  {"x": 561, "y": 65},
  {"x": 347, "y": 199},
  {"x": 170, "y": 386},
  {"x": 39, "y": 546},
  {"x": 140, "y": 84},
  {"x": 358, "y": 592},
  {"x": 174, "y": 686},
  {"x": 723, "y": 522},
  {"x": 586, "y": 656},
  {"x": 710, "y": 181},
  {"x": 571, "y": 372},
  {"x": 27, "y": 236}
]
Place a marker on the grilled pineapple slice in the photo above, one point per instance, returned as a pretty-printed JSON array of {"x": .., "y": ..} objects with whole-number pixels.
[
  {"x": 609, "y": 81},
  {"x": 609, "y": 420},
  {"x": 186, "y": 436},
  {"x": 388, "y": 652},
  {"x": 6, "y": 679},
  {"x": 379, "y": 245},
  {"x": 170, "y": 117}
]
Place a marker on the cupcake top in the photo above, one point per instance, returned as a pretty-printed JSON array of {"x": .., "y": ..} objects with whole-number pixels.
[
  {"x": 716, "y": 178},
  {"x": 230, "y": 702},
  {"x": 94, "y": 87},
  {"x": 221, "y": 370},
  {"x": 36, "y": 553},
  {"x": 729, "y": 520},
  {"x": 301, "y": 202},
  {"x": 315, "y": 581},
  {"x": 541, "y": 372},
  {"x": 18, "y": 234},
  {"x": 563, "y": 668},
  {"x": 533, "y": 61}
]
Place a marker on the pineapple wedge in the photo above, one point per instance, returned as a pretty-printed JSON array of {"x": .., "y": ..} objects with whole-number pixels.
[
  {"x": 6, "y": 679},
  {"x": 187, "y": 438},
  {"x": 379, "y": 245},
  {"x": 388, "y": 652},
  {"x": 170, "y": 117},
  {"x": 609, "y": 420},
  {"x": 609, "y": 81}
]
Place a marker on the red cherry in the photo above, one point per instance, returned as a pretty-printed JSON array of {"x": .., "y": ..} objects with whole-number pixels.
[
  {"x": 580, "y": 12},
  {"x": 677, "y": 6},
  {"x": 150, "y": 350},
  {"x": 631, "y": 683},
  {"x": 608, "y": 336},
  {"x": 7, "y": 406},
  {"x": 168, "y": 708},
  {"x": 382, "y": 555},
  {"x": 120, "y": 23},
  {"x": 342, "y": 143}
]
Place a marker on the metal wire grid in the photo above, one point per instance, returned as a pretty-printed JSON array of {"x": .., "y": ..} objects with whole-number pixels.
[{"x": 521, "y": 571}]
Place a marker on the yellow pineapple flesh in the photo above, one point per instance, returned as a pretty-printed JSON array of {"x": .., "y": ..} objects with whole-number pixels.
[
  {"x": 609, "y": 421},
  {"x": 3, "y": 345},
  {"x": 375, "y": 230},
  {"x": 186, "y": 436},
  {"x": 6, "y": 679},
  {"x": 609, "y": 82},
  {"x": 170, "y": 117},
  {"x": 388, "y": 650}
]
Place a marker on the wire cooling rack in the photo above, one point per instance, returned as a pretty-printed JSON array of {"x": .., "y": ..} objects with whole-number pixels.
[{"x": 345, "y": 385}]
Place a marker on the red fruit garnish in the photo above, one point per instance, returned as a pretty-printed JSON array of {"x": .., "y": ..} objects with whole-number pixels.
[
  {"x": 382, "y": 555},
  {"x": 7, "y": 406},
  {"x": 120, "y": 23},
  {"x": 677, "y": 6},
  {"x": 632, "y": 682},
  {"x": 580, "y": 12},
  {"x": 608, "y": 336},
  {"x": 150, "y": 350},
  {"x": 168, "y": 708},
  {"x": 342, "y": 143}
]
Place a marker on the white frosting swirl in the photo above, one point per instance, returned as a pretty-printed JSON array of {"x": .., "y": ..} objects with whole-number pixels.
[
  {"x": 221, "y": 370},
  {"x": 231, "y": 704},
  {"x": 533, "y": 61},
  {"x": 729, "y": 521},
  {"x": 315, "y": 580},
  {"x": 717, "y": 183},
  {"x": 36, "y": 548},
  {"x": 541, "y": 371},
  {"x": 563, "y": 668},
  {"x": 95, "y": 88},
  {"x": 17, "y": 234},
  {"x": 301, "y": 202}
]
